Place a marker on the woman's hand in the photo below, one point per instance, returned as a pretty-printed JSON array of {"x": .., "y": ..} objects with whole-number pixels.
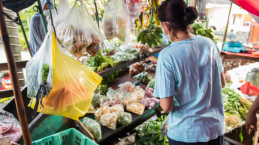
[{"x": 251, "y": 123}]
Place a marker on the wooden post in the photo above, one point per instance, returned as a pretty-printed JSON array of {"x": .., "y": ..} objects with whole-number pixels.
[
  {"x": 225, "y": 35},
  {"x": 15, "y": 81}
]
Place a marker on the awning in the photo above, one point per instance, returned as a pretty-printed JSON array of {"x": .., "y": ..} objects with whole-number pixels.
[{"x": 252, "y": 6}]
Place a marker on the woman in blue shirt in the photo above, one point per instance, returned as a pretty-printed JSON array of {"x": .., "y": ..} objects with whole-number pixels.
[{"x": 189, "y": 80}]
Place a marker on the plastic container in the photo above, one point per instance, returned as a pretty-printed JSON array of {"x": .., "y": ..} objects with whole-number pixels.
[{"x": 67, "y": 137}]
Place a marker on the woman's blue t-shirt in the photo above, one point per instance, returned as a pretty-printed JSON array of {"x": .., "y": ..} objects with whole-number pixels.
[{"x": 190, "y": 71}]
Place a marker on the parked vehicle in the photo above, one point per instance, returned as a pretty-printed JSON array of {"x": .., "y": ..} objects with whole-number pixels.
[{"x": 5, "y": 81}]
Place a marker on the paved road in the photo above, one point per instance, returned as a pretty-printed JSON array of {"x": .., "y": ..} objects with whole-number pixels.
[{"x": 25, "y": 55}]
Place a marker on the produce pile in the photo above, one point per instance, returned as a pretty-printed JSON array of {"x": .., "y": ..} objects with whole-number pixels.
[
  {"x": 110, "y": 108},
  {"x": 151, "y": 37},
  {"x": 199, "y": 29},
  {"x": 150, "y": 133},
  {"x": 236, "y": 108}
]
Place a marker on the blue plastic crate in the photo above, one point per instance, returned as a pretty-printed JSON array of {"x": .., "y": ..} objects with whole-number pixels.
[{"x": 66, "y": 137}]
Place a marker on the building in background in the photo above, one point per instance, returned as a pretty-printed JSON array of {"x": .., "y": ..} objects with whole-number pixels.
[{"x": 243, "y": 24}]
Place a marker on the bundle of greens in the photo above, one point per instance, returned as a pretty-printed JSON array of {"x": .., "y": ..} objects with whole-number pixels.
[
  {"x": 150, "y": 134},
  {"x": 96, "y": 100},
  {"x": 199, "y": 29},
  {"x": 144, "y": 77},
  {"x": 124, "y": 118},
  {"x": 151, "y": 84},
  {"x": 109, "y": 78},
  {"x": 102, "y": 89},
  {"x": 231, "y": 101},
  {"x": 99, "y": 62}
]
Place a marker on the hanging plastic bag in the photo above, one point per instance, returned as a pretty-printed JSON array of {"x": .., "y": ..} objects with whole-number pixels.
[
  {"x": 134, "y": 8},
  {"x": 39, "y": 70},
  {"x": 110, "y": 26},
  {"x": 73, "y": 86},
  {"x": 75, "y": 33},
  {"x": 62, "y": 12},
  {"x": 90, "y": 22},
  {"x": 124, "y": 22},
  {"x": 116, "y": 20}
]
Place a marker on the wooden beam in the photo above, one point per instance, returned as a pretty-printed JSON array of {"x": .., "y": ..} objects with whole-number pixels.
[
  {"x": 19, "y": 64},
  {"x": 15, "y": 80}
]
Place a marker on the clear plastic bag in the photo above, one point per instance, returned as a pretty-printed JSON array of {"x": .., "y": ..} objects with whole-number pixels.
[
  {"x": 110, "y": 26},
  {"x": 91, "y": 110},
  {"x": 74, "y": 33},
  {"x": 126, "y": 87},
  {"x": 117, "y": 108},
  {"x": 62, "y": 12},
  {"x": 124, "y": 118},
  {"x": 101, "y": 111},
  {"x": 90, "y": 22},
  {"x": 109, "y": 120},
  {"x": 123, "y": 56},
  {"x": 93, "y": 126},
  {"x": 129, "y": 97},
  {"x": 39, "y": 69},
  {"x": 96, "y": 100},
  {"x": 144, "y": 77},
  {"x": 136, "y": 107},
  {"x": 116, "y": 20},
  {"x": 134, "y": 8},
  {"x": 150, "y": 101},
  {"x": 164, "y": 127},
  {"x": 136, "y": 68},
  {"x": 139, "y": 92},
  {"x": 124, "y": 22},
  {"x": 151, "y": 84},
  {"x": 72, "y": 89}
]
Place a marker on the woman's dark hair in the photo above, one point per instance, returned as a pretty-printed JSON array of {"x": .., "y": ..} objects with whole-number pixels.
[{"x": 178, "y": 14}]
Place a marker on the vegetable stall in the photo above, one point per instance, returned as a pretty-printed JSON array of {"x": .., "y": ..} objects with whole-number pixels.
[{"x": 116, "y": 95}]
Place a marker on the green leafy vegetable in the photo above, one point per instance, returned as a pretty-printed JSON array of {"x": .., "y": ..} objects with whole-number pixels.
[
  {"x": 144, "y": 77},
  {"x": 124, "y": 118},
  {"x": 150, "y": 134},
  {"x": 99, "y": 62},
  {"x": 102, "y": 89},
  {"x": 151, "y": 84},
  {"x": 109, "y": 78},
  {"x": 45, "y": 72},
  {"x": 93, "y": 126},
  {"x": 96, "y": 100}
]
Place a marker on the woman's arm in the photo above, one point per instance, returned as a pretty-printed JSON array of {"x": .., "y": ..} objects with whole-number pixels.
[
  {"x": 167, "y": 104},
  {"x": 222, "y": 78},
  {"x": 251, "y": 120}
]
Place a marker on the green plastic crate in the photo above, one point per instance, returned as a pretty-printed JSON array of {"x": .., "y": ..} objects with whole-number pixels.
[{"x": 67, "y": 137}]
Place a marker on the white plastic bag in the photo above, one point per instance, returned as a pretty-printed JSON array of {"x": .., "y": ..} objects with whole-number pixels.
[
  {"x": 124, "y": 22},
  {"x": 76, "y": 34},
  {"x": 40, "y": 64},
  {"x": 116, "y": 20},
  {"x": 110, "y": 27},
  {"x": 90, "y": 22},
  {"x": 62, "y": 12},
  {"x": 134, "y": 8}
]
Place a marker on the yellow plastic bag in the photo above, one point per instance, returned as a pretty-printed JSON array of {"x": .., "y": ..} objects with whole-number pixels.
[{"x": 73, "y": 87}]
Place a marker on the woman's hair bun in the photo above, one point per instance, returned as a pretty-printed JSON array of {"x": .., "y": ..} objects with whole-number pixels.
[{"x": 190, "y": 15}]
